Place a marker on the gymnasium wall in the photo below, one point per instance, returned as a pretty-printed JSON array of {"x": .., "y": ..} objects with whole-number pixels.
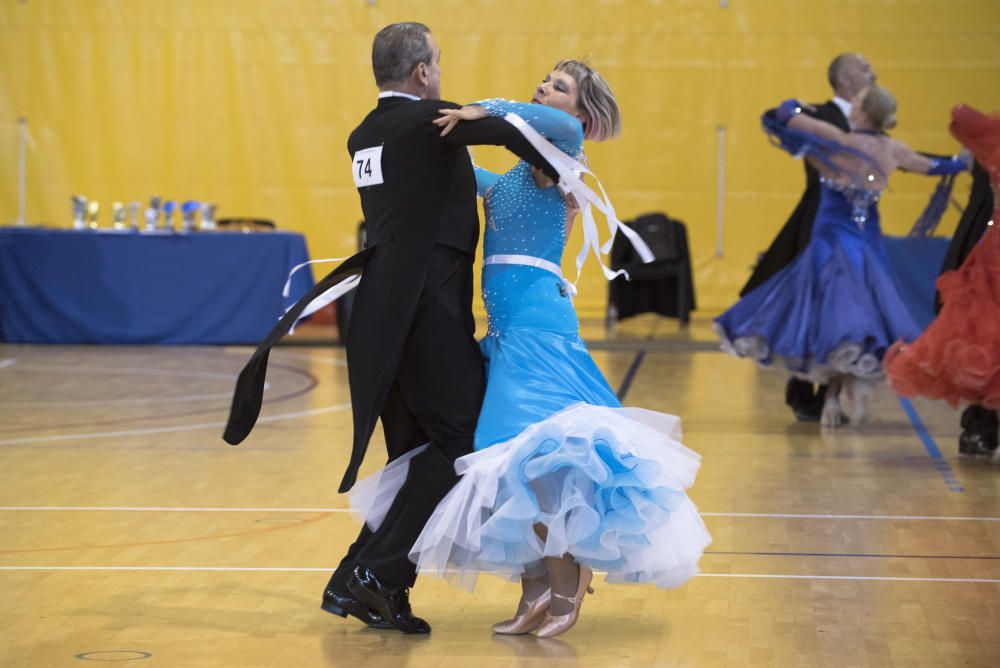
[{"x": 248, "y": 103}]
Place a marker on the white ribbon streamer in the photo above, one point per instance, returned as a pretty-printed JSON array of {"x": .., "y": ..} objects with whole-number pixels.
[
  {"x": 328, "y": 297},
  {"x": 288, "y": 282},
  {"x": 324, "y": 299},
  {"x": 570, "y": 171}
]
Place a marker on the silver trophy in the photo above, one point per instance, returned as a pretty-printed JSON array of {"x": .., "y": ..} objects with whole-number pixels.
[
  {"x": 168, "y": 215},
  {"x": 79, "y": 212},
  {"x": 118, "y": 216},
  {"x": 133, "y": 215},
  {"x": 207, "y": 217},
  {"x": 188, "y": 210},
  {"x": 153, "y": 214},
  {"x": 93, "y": 209}
]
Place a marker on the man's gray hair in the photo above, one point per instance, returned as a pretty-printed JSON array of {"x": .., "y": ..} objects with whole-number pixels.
[{"x": 396, "y": 51}]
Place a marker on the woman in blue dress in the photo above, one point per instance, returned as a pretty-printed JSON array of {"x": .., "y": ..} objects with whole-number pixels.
[
  {"x": 830, "y": 315},
  {"x": 563, "y": 479}
]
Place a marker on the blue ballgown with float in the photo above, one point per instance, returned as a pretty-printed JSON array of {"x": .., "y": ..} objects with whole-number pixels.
[
  {"x": 554, "y": 444},
  {"x": 836, "y": 308}
]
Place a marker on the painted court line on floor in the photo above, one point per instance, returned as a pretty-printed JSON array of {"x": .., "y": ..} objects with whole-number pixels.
[
  {"x": 120, "y": 402},
  {"x": 133, "y": 371},
  {"x": 630, "y": 375},
  {"x": 333, "y": 361},
  {"x": 828, "y": 516},
  {"x": 167, "y": 430},
  {"x": 183, "y": 509},
  {"x": 327, "y": 569},
  {"x": 856, "y": 555},
  {"x": 940, "y": 463}
]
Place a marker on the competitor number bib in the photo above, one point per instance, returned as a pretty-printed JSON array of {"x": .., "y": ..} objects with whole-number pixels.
[{"x": 367, "y": 167}]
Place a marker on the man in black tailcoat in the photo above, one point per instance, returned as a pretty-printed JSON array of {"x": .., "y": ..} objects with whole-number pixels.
[
  {"x": 848, "y": 74},
  {"x": 980, "y": 426},
  {"x": 412, "y": 357},
  {"x": 974, "y": 222}
]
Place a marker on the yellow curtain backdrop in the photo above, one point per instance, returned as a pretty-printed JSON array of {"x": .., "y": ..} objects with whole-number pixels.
[{"x": 248, "y": 103}]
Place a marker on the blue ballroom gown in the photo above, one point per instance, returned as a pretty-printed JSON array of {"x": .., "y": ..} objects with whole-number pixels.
[
  {"x": 553, "y": 443},
  {"x": 836, "y": 308}
]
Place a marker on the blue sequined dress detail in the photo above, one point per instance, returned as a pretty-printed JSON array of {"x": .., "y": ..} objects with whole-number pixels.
[{"x": 530, "y": 315}]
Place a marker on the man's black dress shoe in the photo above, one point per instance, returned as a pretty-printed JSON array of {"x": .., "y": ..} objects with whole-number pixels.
[
  {"x": 975, "y": 444},
  {"x": 342, "y": 605},
  {"x": 980, "y": 432},
  {"x": 392, "y": 603},
  {"x": 807, "y": 413}
]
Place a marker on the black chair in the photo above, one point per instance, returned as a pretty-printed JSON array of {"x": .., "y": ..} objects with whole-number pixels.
[
  {"x": 247, "y": 224},
  {"x": 664, "y": 286}
]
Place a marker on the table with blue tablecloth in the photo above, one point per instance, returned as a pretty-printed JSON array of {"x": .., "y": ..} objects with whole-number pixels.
[{"x": 94, "y": 286}]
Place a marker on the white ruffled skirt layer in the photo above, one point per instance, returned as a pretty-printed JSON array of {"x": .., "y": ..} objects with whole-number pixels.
[{"x": 607, "y": 484}]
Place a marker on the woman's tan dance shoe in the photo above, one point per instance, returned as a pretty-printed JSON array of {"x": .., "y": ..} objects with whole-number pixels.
[
  {"x": 557, "y": 624},
  {"x": 527, "y": 621}
]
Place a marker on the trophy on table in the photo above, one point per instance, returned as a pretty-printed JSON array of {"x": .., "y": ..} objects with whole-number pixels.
[
  {"x": 133, "y": 215},
  {"x": 118, "y": 216},
  {"x": 79, "y": 212},
  {"x": 207, "y": 217},
  {"x": 168, "y": 215},
  {"x": 93, "y": 209},
  {"x": 153, "y": 213},
  {"x": 188, "y": 209}
]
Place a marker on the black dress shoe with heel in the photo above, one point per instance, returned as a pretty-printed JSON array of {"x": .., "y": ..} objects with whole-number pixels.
[
  {"x": 980, "y": 432},
  {"x": 343, "y": 605},
  {"x": 391, "y": 603}
]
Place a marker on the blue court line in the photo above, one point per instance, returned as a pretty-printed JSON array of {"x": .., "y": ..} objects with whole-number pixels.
[
  {"x": 630, "y": 375},
  {"x": 868, "y": 556},
  {"x": 940, "y": 463}
]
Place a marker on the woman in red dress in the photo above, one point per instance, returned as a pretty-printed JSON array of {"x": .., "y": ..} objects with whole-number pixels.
[{"x": 957, "y": 358}]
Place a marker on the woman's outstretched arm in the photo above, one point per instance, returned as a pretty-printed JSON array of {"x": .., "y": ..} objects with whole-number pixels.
[
  {"x": 911, "y": 161},
  {"x": 553, "y": 124},
  {"x": 790, "y": 113}
]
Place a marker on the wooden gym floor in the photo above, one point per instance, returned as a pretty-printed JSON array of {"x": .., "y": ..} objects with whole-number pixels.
[{"x": 131, "y": 534}]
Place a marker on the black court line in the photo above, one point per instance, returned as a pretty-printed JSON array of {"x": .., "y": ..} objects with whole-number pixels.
[{"x": 630, "y": 375}]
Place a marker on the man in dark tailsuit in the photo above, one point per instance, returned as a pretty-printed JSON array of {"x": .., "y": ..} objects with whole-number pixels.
[
  {"x": 848, "y": 74},
  {"x": 412, "y": 357},
  {"x": 974, "y": 222},
  {"x": 980, "y": 426}
]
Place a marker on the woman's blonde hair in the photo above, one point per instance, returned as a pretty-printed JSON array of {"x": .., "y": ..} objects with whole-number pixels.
[
  {"x": 602, "y": 116},
  {"x": 880, "y": 106}
]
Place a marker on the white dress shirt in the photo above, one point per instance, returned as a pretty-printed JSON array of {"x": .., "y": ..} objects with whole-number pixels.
[
  {"x": 396, "y": 93},
  {"x": 845, "y": 107}
]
